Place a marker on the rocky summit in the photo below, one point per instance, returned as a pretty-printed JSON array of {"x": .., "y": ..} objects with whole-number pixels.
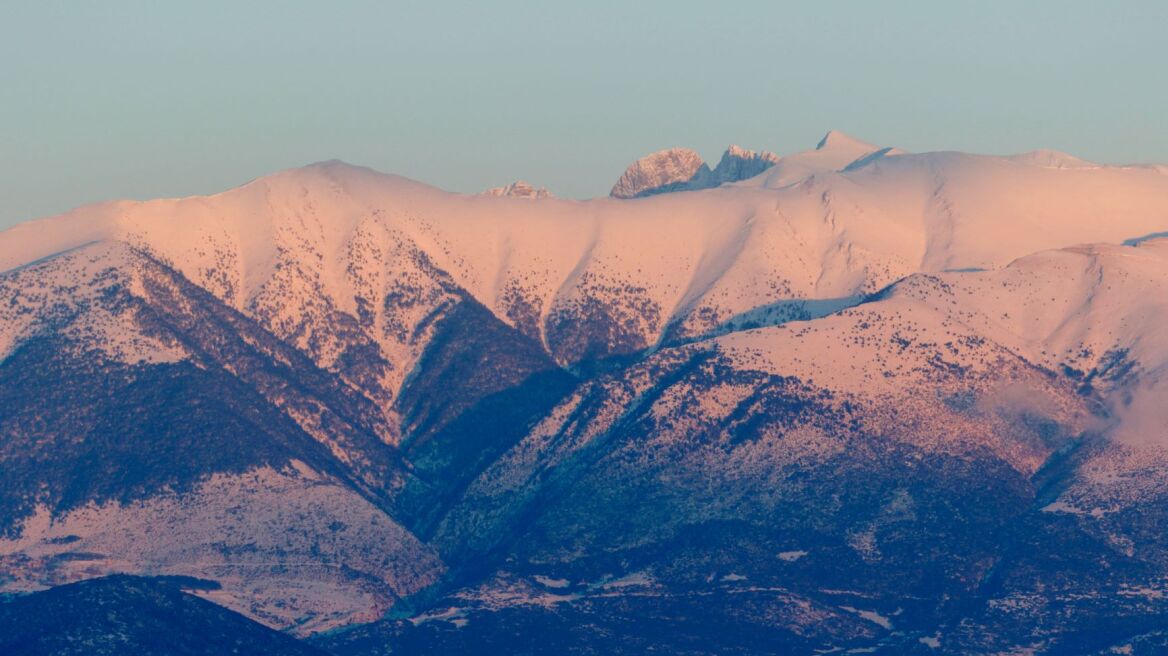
[{"x": 681, "y": 169}]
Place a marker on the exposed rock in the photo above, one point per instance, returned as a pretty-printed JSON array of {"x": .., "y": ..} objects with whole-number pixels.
[
  {"x": 681, "y": 169},
  {"x": 739, "y": 164},
  {"x": 675, "y": 169},
  {"x": 519, "y": 189}
]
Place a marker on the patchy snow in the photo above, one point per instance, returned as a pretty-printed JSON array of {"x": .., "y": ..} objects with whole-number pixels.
[
  {"x": 1066, "y": 508},
  {"x": 82, "y": 294},
  {"x": 932, "y": 642},
  {"x": 1144, "y": 591},
  {"x": 871, "y": 616},
  {"x": 548, "y": 582},
  {"x": 507, "y": 592},
  {"x": 631, "y": 580},
  {"x": 275, "y": 540},
  {"x": 452, "y": 615}
]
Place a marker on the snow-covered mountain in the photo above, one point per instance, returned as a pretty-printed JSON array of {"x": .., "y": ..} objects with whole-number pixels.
[{"x": 882, "y": 399}]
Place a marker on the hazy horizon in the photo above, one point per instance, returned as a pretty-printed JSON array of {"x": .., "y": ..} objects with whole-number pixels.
[{"x": 128, "y": 100}]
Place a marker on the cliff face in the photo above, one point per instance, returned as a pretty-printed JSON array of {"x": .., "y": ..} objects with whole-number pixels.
[
  {"x": 681, "y": 169},
  {"x": 666, "y": 170},
  {"x": 740, "y": 164}
]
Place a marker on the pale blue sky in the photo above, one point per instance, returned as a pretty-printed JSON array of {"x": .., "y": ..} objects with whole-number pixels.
[{"x": 116, "y": 99}]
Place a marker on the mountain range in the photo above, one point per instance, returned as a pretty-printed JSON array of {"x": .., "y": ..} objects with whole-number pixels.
[{"x": 851, "y": 399}]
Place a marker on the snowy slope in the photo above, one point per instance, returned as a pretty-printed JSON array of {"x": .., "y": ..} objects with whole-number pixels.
[
  {"x": 834, "y": 152},
  {"x": 830, "y": 358},
  {"x": 1092, "y": 312},
  {"x": 274, "y": 540},
  {"x": 344, "y": 236}
]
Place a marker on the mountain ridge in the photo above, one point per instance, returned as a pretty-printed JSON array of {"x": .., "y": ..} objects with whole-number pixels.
[{"x": 888, "y": 374}]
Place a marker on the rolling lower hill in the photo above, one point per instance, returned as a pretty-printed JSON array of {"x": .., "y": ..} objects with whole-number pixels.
[{"x": 130, "y": 615}]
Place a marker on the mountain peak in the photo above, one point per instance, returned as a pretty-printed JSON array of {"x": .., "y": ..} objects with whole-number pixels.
[
  {"x": 682, "y": 169},
  {"x": 355, "y": 178},
  {"x": 740, "y": 164},
  {"x": 738, "y": 152},
  {"x": 1052, "y": 159},
  {"x": 835, "y": 139},
  {"x": 330, "y": 169},
  {"x": 519, "y": 189},
  {"x": 665, "y": 170},
  {"x": 334, "y": 165}
]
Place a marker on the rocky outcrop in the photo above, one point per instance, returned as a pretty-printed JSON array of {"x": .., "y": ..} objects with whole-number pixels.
[
  {"x": 739, "y": 164},
  {"x": 520, "y": 189},
  {"x": 681, "y": 169},
  {"x": 675, "y": 169}
]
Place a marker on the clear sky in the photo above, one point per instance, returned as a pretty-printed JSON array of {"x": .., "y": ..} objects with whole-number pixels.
[{"x": 115, "y": 99}]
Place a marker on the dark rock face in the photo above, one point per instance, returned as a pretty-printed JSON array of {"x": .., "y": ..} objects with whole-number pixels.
[{"x": 129, "y": 615}]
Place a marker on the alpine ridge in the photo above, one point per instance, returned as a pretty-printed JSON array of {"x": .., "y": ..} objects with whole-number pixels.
[
  {"x": 850, "y": 398},
  {"x": 519, "y": 189},
  {"x": 681, "y": 169}
]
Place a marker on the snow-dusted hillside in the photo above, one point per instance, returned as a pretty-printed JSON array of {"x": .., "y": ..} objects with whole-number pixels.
[
  {"x": 304, "y": 249},
  {"x": 848, "y": 369}
]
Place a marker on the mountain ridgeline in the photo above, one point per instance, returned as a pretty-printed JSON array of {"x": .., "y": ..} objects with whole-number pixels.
[
  {"x": 851, "y": 398},
  {"x": 681, "y": 169}
]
